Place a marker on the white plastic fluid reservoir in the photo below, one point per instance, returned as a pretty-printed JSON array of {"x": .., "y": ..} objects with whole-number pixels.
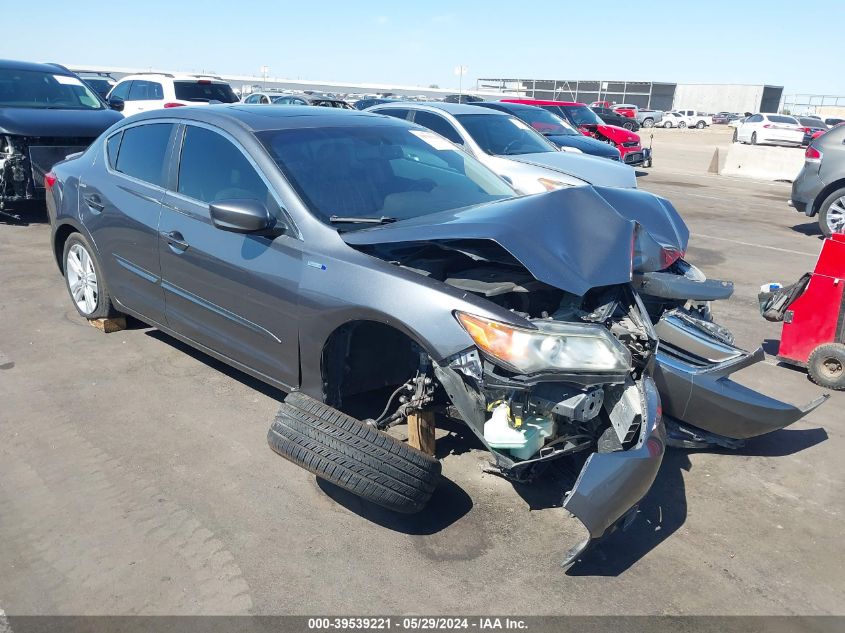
[{"x": 522, "y": 443}]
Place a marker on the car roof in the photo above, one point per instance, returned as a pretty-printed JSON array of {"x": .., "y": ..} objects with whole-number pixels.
[
  {"x": 259, "y": 118},
  {"x": 544, "y": 102},
  {"x": 449, "y": 108},
  {"x": 54, "y": 69},
  {"x": 174, "y": 77}
]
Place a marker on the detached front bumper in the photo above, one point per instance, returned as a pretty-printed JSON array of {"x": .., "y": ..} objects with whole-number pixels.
[
  {"x": 692, "y": 373},
  {"x": 611, "y": 484}
]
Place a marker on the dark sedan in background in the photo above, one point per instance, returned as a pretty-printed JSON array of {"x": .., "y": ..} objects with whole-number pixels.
[
  {"x": 811, "y": 127},
  {"x": 46, "y": 113},
  {"x": 614, "y": 118},
  {"x": 557, "y": 130}
]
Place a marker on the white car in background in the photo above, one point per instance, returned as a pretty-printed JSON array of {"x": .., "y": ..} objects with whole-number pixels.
[
  {"x": 151, "y": 91},
  {"x": 683, "y": 119},
  {"x": 508, "y": 146},
  {"x": 769, "y": 128},
  {"x": 671, "y": 119}
]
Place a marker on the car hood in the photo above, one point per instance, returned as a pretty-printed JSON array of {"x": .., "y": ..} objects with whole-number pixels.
[
  {"x": 586, "y": 144},
  {"x": 618, "y": 134},
  {"x": 592, "y": 169},
  {"x": 574, "y": 239},
  {"x": 56, "y": 123}
]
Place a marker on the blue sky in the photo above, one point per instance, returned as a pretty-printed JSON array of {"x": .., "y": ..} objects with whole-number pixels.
[{"x": 421, "y": 42}]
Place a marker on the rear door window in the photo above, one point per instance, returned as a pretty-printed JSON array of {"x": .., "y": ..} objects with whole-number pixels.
[
  {"x": 203, "y": 91},
  {"x": 438, "y": 124},
  {"x": 112, "y": 147},
  {"x": 212, "y": 169},
  {"x": 143, "y": 152}
]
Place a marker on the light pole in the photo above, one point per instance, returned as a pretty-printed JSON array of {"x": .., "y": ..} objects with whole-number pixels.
[
  {"x": 460, "y": 71},
  {"x": 265, "y": 70}
]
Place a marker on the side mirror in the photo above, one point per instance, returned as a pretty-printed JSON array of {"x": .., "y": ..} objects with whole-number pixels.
[
  {"x": 241, "y": 216},
  {"x": 116, "y": 103}
]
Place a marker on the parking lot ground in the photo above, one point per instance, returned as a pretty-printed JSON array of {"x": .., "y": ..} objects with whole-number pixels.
[{"x": 135, "y": 475}]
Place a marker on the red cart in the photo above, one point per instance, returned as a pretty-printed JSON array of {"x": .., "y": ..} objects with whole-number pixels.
[{"x": 813, "y": 334}]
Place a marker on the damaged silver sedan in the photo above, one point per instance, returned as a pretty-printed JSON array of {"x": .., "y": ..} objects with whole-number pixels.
[{"x": 379, "y": 274}]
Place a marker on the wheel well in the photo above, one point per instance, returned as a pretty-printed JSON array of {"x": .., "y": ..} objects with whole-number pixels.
[
  {"x": 824, "y": 193},
  {"x": 62, "y": 234},
  {"x": 362, "y": 363}
]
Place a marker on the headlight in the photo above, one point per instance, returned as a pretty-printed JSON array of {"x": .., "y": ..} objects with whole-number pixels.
[
  {"x": 553, "y": 346},
  {"x": 551, "y": 185}
]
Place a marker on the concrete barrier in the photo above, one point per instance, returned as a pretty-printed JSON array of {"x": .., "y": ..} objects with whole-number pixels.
[{"x": 763, "y": 162}]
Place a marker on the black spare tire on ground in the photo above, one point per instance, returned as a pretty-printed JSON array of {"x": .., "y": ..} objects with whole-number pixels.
[{"x": 353, "y": 455}]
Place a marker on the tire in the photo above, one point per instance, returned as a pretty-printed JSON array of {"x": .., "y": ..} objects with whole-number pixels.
[
  {"x": 79, "y": 262},
  {"x": 668, "y": 124},
  {"x": 700, "y": 125},
  {"x": 647, "y": 123},
  {"x": 832, "y": 213},
  {"x": 353, "y": 455},
  {"x": 628, "y": 126},
  {"x": 826, "y": 366},
  {"x": 682, "y": 124},
  {"x": 736, "y": 136},
  {"x": 754, "y": 138}
]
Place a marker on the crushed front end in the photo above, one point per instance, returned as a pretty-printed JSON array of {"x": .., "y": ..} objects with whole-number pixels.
[{"x": 576, "y": 382}]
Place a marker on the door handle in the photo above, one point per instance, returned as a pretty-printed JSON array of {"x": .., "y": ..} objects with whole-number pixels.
[
  {"x": 93, "y": 201},
  {"x": 175, "y": 240}
]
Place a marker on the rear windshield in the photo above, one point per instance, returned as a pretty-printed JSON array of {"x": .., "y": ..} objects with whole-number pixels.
[
  {"x": 44, "y": 90},
  {"x": 774, "y": 118},
  {"x": 812, "y": 123},
  {"x": 204, "y": 91}
]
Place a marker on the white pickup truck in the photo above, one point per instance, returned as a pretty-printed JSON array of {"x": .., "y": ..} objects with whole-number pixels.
[{"x": 691, "y": 118}]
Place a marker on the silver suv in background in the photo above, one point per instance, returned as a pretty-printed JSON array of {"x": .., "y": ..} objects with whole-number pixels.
[{"x": 820, "y": 187}]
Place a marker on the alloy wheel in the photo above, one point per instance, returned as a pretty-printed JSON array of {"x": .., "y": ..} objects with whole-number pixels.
[
  {"x": 836, "y": 216},
  {"x": 82, "y": 279}
]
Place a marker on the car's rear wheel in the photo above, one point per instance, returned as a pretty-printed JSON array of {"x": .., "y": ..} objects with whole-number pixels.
[
  {"x": 84, "y": 279},
  {"x": 648, "y": 123},
  {"x": 353, "y": 455},
  {"x": 832, "y": 213},
  {"x": 682, "y": 124},
  {"x": 826, "y": 366},
  {"x": 736, "y": 136},
  {"x": 628, "y": 125},
  {"x": 754, "y": 138},
  {"x": 667, "y": 124},
  {"x": 700, "y": 125}
]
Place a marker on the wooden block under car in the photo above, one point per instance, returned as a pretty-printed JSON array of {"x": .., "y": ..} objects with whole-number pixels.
[{"x": 115, "y": 324}]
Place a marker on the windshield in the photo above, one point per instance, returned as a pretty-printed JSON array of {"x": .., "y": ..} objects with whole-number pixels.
[
  {"x": 546, "y": 123},
  {"x": 44, "y": 90},
  {"x": 812, "y": 123},
  {"x": 503, "y": 135},
  {"x": 204, "y": 91},
  {"x": 380, "y": 171},
  {"x": 582, "y": 115}
]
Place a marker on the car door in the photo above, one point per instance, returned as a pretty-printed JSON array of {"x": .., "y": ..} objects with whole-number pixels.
[
  {"x": 120, "y": 205},
  {"x": 233, "y": 294}
]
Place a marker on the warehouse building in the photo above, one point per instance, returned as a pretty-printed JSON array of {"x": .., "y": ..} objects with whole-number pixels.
[{"x": 646, "y": 94}]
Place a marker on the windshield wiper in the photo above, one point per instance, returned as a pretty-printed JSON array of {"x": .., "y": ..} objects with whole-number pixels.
[{"x": 351, "y": 219}]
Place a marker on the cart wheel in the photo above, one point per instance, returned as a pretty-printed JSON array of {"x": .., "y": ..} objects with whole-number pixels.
[{"x": 827, "y": 366}]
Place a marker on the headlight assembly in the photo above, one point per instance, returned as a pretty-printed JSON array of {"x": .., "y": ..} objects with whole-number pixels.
[{"x": 554, "y": 346}]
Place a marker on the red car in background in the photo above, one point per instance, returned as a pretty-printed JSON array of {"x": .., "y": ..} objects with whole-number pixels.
[
  {"x": 624, "y": 110},
  {"x": 589, "y": 124}
]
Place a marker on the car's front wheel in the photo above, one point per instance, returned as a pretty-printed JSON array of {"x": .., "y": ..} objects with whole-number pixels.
[
  {"x": 84, "y": 279},
  {"x": 832, "y": 213},
  {"x": 667, "y": 124}
]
